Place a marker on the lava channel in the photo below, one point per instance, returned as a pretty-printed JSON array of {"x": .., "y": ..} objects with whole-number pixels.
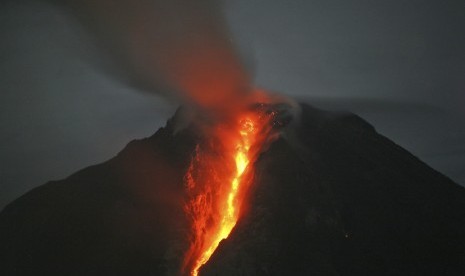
[{"x": 217, "y": 181}]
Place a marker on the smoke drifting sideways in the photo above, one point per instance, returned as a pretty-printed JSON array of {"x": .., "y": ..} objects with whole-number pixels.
[
  {"x": 180, "y": 45},
  {"x": 70, "y": 70}
]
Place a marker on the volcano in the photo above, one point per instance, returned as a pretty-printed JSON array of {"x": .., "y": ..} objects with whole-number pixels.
[{"x": 328, "y": 196}]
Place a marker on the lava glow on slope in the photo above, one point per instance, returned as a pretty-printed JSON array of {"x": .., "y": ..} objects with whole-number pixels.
[{"x": 217, "y": 181}]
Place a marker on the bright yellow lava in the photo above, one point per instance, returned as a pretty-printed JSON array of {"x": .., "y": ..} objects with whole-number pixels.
[{"x": 230, "y": 217}]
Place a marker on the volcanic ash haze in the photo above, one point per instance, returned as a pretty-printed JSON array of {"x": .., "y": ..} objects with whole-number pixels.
[{"x": 181, "y": 45}]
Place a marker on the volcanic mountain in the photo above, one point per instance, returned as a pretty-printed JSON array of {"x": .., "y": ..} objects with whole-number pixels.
[{"x": 330, "y": 196}]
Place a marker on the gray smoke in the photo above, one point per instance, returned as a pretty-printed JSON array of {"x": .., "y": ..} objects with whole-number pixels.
[{"x": 178, "y": 45}]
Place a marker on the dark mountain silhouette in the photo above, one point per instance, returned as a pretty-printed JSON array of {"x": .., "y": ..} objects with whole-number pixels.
[{"x": 331, "y": 197}]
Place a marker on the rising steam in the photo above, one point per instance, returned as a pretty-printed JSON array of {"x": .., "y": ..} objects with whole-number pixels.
[{"x": 183, "y": 45}]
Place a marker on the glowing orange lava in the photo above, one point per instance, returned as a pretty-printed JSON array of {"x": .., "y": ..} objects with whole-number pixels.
[
  {"x": 218, "y": 190},
  {"x": 229, "y": 216}
]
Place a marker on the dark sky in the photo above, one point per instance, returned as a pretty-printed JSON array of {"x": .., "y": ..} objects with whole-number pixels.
[{"x": 399, "y": 64}]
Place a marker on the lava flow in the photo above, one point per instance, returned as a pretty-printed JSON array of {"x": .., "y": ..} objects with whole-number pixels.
[{"x": 217, "y": 180}]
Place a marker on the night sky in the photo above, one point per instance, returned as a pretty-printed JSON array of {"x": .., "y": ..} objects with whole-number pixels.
[{"x": 398, "y": 64}]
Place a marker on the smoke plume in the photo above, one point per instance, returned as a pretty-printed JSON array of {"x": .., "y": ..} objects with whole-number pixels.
[{"x": 181, "y": 45}]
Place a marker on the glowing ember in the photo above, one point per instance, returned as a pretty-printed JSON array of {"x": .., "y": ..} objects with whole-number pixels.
[
  {"x": 217, "y": 189},
  {"x": 229, "y": 218}
]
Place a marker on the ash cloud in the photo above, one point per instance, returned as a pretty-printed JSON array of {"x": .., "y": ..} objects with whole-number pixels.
[{"x": 175, "y": 45}]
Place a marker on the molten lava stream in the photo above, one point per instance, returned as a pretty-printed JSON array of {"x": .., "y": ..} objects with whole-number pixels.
[{"x": 214, "y": 218}]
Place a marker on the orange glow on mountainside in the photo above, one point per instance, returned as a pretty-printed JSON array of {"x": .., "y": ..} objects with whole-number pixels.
[
  {"x": 229, "y": 216},
  {"x": 217, "y": 180}
]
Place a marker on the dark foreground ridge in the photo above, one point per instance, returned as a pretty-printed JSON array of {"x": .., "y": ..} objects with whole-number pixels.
[{"x": 340, "y": 199}]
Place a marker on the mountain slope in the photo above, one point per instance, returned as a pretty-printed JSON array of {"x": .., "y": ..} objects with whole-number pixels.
[{"x": 331, "y": 197}]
